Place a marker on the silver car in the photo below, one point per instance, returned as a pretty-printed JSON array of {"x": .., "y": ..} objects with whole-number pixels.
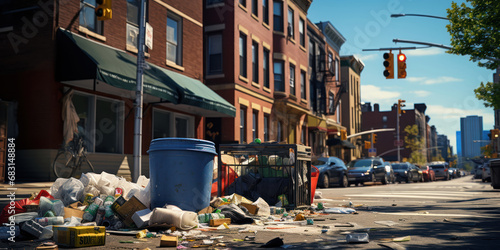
[{"x": 440, "y": 170}]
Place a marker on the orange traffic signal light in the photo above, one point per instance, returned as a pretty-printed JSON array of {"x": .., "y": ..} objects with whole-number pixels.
[
  {"x": 374, "y": 138},
  {"x": 103, "y": 10},
  {"x": 401, "y": 65},
  {"x": 400, "y": 105},
  {"x": 389, "y": 65},
  {"x": 368, "y": 144}
]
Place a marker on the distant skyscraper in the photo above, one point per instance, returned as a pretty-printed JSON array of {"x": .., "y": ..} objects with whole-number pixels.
[
  {"x": 459, "y": 144},
  {"x": 471, "y": 128}
]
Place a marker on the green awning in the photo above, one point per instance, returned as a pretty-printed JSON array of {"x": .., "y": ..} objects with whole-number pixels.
[{"x": 80, "y": 59}]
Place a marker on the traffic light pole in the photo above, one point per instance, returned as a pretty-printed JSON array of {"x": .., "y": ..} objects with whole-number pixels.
[
  {"x": 139, "y": 94},
  {"x": 397, "y": 133}
]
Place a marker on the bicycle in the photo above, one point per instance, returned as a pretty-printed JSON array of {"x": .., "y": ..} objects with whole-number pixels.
[{"x": 71, "y": 157}]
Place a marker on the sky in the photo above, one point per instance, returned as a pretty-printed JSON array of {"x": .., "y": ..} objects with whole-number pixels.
[{"x": 444, "y": 82}]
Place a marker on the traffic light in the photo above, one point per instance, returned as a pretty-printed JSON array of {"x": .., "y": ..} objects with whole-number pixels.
[
  {"x": 389, "y": 65},
  {"x": 401, "y": 65},
  {"x": 343, "y": 135},
  {"x": 368, "y": 145},
  {"x": 374, "y": 138},
  {"x": 400, "y": 105},
  {"x": 103, "y": 10},
  {"x": 495, "y": 133}
]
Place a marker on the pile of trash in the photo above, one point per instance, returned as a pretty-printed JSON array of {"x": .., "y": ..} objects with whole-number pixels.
[{"x": 97, "y": 204}]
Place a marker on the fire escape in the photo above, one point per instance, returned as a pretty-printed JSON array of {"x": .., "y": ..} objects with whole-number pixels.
[{"x": 327, "y": 72}]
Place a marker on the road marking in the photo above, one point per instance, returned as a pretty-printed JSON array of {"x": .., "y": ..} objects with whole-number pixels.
[
  {"x": 443, "y": 215},
  {"x": 403, "y": 196},
  {"x": 434, "y": 193}
]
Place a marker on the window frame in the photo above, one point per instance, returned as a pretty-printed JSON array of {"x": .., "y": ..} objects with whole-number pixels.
[
  {"x": 211, "y": 71},
  {"x": 255, "y": 124},
  {"x": 303, "y": 79},
  {"x": 255, "y": 61},
  {"x": 278, "y": 17},
  {"x": 98, "y": 25},
  {"x": 243, "y": 136},
  {"x": 178, "y": 45},
  {"x": 266, "y": 67},
  {"x": 255, "y": 8},
  {"x": 291, "y": 23},
  {"x": 279, "y": 85},
  {"x": 243, "y": 54},
  {"x": 172, "y": 126},
  {"x": 266, "y": 127},
  {"x": 302, "y": 33},
  {"x": 243, "y": 3},
  {"x": 292, "y": 79},
  {"x": 265, "y": 11}
]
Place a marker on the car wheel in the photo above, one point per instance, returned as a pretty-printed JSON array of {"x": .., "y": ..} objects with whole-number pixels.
[
  {"x": 325, "y": 182},
  {"x": 384, "y": 180},
  {"x": 343, "y": 182}
]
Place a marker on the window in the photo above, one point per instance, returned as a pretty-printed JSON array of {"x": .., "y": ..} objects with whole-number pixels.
[
  {"x": 337, "y": 65},
  {"x": 255, "y": 62},
  {"x": 330, "y": 63},
  {"x": 255, "y": 125},
  {"x": 133, "y": 8},
  {"x": 278, "y": 15},
  {"x": 302, "y": 32},
  {"x": 291, "y": 26},
  {"x": 265, "y": 11},
  {"x": 266, "y": 127},
  {"x": 243, "y": 55},
  {"x": 303, "y": 135},
  {"x": 303, "y": 85},
  {"x": 265, "y": 66},
  {"x": 174, "y": 39},
  {"x": 214, "y": 64},
  {"x": 278, "y": 76},
  {"x": 88, "y": 18},
  {"x": 292, "y": 79},
  {"x": 169, "y": 124},
  {"x": 331, "y": 109},
  {"x": 243, "y": 3},
  {"x": 101, "y": 123},
  {"x": 255, "y": 7},
  {"x": 242, "y": 125},
  {"x": 210, "y": 2}
]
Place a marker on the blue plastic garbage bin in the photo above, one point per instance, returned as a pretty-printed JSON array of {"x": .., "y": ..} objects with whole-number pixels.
[{"x": 181, "y": 172}]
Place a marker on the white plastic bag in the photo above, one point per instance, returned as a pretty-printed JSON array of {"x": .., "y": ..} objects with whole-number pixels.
[
  {"x": 184, "y": 220},
  {"x": 71, "y": 191},
  {"x": 264, "y": 209},
  {"x": 90, "y": 179},
  {"x": 108, "y": 179},
  {"x": 144, "y": 195},
  {"x": 142, "y": 181},
  {"x": 55, "y": 189}
]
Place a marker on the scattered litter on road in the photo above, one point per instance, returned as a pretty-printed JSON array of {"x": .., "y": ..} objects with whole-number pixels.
[
  {"x": 339, "y": 210},
  {"x": 392, "y": 245},
  {"x": 388, "y": 223},
  {"x": 276, "y": 242},
  {"x": 397, "y": 239},
  {"x": 357, "y": 238}
]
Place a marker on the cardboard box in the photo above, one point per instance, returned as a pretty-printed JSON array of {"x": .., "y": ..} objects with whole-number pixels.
[
  {"x": 141, "y": 218},
  {"x": 80, "y": 236},
  {"x": 75, "y": 205},
  {"x": 127, "y": 210},
  {"x": 68, "y": 212},
  {"x": 206, "y": 210},
  {"x": 218, "y": 222},
  {"x": 168, "y": 241},
  {"x": 252, "y": 209}
]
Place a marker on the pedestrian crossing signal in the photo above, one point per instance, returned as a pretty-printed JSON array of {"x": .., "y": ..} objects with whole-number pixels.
[{"x": 103, "y": 10}]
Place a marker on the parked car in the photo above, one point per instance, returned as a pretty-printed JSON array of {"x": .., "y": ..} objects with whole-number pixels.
[
  {"x": 486, "y": 175},
  {"x": 390, "y": 172},
  {"x": 428, "y": 173},
  {"x": 440, "y": 170},
  {"x": 332, "y": 171},
  {"x": 453, "y": 173},
  {"x": 478, "y": 173},
  {"x": 364, "y": 170},
  {"x": 406, "y": 172}
]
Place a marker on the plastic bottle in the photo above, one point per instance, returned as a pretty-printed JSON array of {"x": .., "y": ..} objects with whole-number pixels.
[
  {"x": 109, "y": 200},
  {"x": 100, "y": 215},
  {"x": 91, "y": 210},
  {"x": 45, "y": 221}
]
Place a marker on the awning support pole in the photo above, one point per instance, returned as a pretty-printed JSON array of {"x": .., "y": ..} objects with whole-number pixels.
[{"x": 139, "y": 94}]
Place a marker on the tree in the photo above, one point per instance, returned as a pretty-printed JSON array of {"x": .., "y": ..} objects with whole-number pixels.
[
  {"x": 474, "y": 29},
  {"x": 490, "y": 94},
  {"x": 415, "y": 144}
]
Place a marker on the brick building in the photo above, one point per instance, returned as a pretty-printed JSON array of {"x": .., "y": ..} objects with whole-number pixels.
[
  {"x": 50, "y": 47},
  {"x": 256, "y": 58},
  {"x": 386, "y": 141}
]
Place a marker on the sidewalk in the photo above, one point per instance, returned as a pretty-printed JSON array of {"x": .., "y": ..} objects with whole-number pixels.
[{"x": 21, "y": 190}]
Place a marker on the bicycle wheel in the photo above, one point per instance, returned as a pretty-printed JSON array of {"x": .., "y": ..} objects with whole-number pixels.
[
  {"x": 85, "y": 165},
  {"x": 64, "y": 164}
]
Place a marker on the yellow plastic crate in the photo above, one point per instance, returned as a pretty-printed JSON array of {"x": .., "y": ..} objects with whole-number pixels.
[{"x": 80, "y": 236}]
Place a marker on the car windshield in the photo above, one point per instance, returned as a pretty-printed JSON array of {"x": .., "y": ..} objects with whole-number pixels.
[
  {"x": 360, "y": 164},
  {"x": 437, "y": 167},
  {"x": 318, "y": 162},
  {"x": 398, "y": 166}
]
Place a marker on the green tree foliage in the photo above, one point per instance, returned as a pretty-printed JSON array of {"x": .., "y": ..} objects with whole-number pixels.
[
  {"x": 415, "y": 144},
  {"x": 474, "y": 28},
  {"x": 489, "y": 93}
]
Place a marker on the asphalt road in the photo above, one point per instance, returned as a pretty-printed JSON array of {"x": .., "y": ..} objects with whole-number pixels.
[{"x": 457, "y": 214}]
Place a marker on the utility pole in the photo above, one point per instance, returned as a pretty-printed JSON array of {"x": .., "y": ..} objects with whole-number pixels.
[
  {"x": 139, "y": 93},
  {"x": 400, "y": 105}
]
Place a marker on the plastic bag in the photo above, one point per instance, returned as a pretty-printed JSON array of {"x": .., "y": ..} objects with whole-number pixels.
[
  {"x": 55, "y": 189},
  {"x": 144, "y": 195},
  {"x": 46, "y": 204},
  {"x": 90, "y": 179},
  {"x": 71, "y": 191},
  {"x": 184, "y": 220},
  {"x": 142, "y": 181},
  {"x": 107, "y": 179},
  {"x": 339, "y": 210},
  {"x": 90, "y": 189},
  {"x": 264, "y": 209}
]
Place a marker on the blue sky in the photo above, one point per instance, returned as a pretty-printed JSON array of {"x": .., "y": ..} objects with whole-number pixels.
[{"x": 444, "y": 82}]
